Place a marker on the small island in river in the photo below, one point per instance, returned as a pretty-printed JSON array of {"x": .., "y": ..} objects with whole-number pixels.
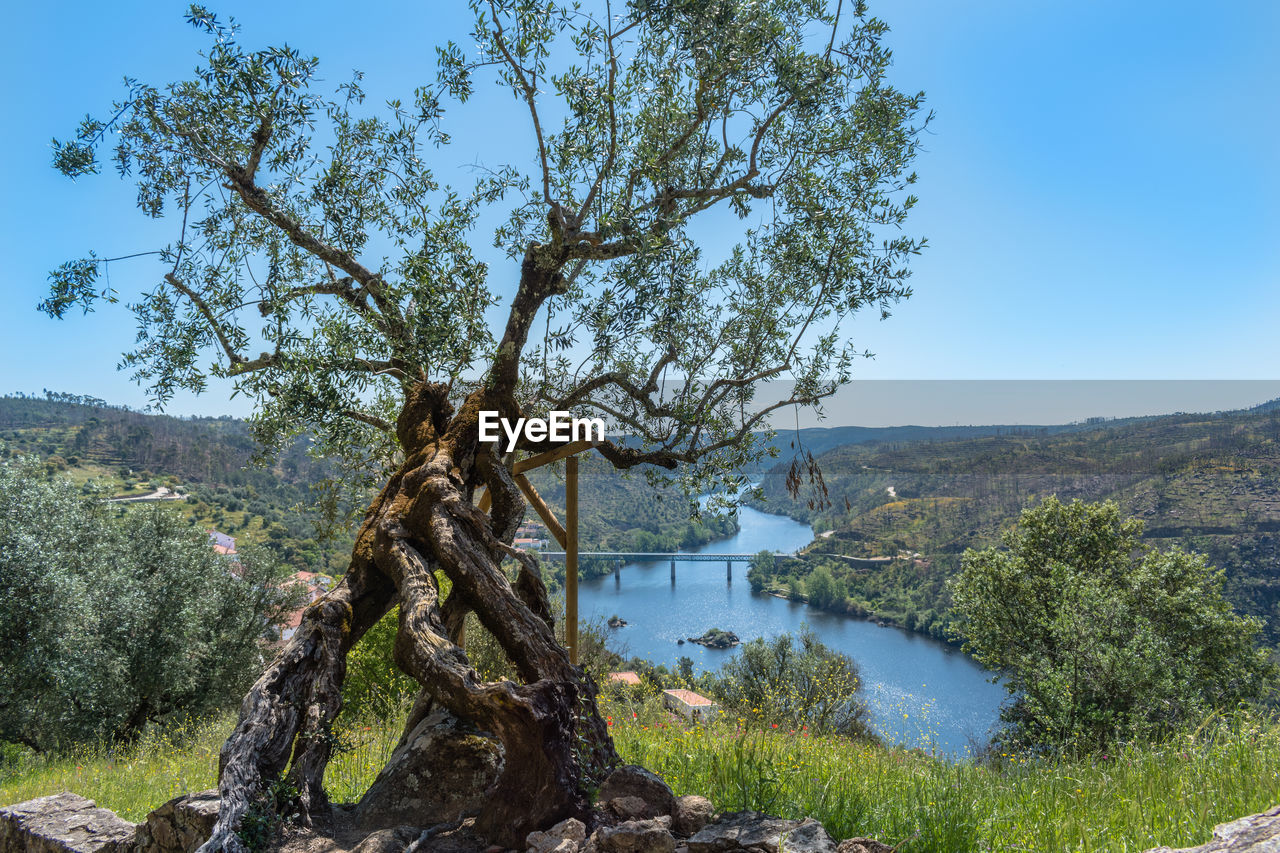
[{"x": 717, "y": 639}]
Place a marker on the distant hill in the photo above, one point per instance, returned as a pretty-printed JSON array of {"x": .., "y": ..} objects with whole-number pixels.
[
  {"x": 212, "y": 461},
  {"x": 209, "y": 460},
  {"x": 821, "y": 439},
  {"x": 1206, "y": 482}
]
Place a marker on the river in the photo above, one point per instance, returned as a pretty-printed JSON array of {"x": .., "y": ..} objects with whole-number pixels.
[{"x": 920, "y": 692}]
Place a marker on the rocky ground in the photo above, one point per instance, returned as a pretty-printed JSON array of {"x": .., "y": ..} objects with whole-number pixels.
[{"x": 416, "y": 807}]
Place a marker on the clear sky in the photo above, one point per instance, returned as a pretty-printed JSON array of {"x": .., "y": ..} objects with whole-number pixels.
[{"x": 1100, "y": 189}]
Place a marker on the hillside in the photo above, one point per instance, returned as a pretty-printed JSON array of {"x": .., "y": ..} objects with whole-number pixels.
[
  {"x": 211, "y": 461},
  {"x": 902, "y": 513}
]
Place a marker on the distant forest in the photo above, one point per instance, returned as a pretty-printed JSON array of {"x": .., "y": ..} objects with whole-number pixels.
[
  {"x": 1209, "y": 483},
  {"x": 212, "y": 462}
]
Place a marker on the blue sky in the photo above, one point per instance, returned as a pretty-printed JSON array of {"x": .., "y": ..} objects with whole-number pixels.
[{"x": 1100, "y": 186}]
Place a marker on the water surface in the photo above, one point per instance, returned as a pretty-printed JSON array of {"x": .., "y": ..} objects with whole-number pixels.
[{"x": 920, "y": 692}]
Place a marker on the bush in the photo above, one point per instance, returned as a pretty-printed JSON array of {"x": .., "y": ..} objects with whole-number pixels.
[
  {"x": 759, "y": 570},
  {"x": 1099, "y": 638},
  {"x": 115, "y": 618},
  {"x": 823, "y": 589},
  {"x": 795, "y": 682},
  {"x": 374, "y": 686}
]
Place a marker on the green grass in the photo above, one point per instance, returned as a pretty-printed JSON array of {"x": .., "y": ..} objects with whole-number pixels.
[
  {"x": 130, "y": 780},
  {"x": 1129, "y": 801}
]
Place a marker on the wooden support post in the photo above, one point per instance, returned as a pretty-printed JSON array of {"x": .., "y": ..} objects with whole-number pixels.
[
  {"x": 571, "y": 556},
  {"x": 567, "y": 451},
  {"x": 728, "y": 570},
  {"x": 540, "y": 507},
  {"x": 673, "y": 569}
]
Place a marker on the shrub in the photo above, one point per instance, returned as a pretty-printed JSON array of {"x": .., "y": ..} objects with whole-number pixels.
[
  {"x": 115, "y": 618},
  {"x": 1099, "y": 638},
  {"x": 795, "y": 682}
]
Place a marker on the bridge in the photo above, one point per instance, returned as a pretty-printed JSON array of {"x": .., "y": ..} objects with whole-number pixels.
[{"x": 621, "y": 557}]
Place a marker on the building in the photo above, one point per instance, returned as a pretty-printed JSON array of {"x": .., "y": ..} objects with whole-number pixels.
[
  {"x": 222, "y": 543},
  {"x": 690, "y": 705},
  {"x": 316, "y": 586},
  {"x": 627, "y": 677}
]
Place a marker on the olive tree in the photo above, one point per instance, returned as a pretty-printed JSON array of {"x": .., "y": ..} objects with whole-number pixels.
[
  {"x": 114, "y": 618},
  {"x": 796, "y": 682},
  {"x": 323, "y": 262},
  {"x": 1099, "y": 638}
]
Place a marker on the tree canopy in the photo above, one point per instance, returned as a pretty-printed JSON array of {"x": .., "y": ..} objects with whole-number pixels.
[
  {"x": 796, "y": 682},
  {"x": 324, "y": 261},
  {"x": 113, "y": 619},
  {"x": 1099, "y": 638}
]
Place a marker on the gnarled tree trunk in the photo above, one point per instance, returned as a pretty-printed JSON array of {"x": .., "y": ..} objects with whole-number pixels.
[{"x": 423, "y": 520}]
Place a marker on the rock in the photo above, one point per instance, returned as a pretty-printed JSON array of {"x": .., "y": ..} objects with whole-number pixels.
[
  {"x": 634, "y": 836},
  {"x": 565, "y": 837},
  {"x": 753, "y": 830},
  {"x": 180, "y": 825},
  {"x": 717, "y": 639},
  {"x": 863, "y": 845},
  {"x": 631, "y": 780},
  {"x": 440, "y": 773},
  {"x": 393, "y": 840},
  {"x": 631, "y": 808},
  {"x": 1259, "y": 833},
  {"x": 63, "y": 823},
  {"x": 691, "y": 814}
]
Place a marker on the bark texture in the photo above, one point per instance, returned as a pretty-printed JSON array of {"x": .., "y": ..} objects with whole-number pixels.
[{"x": 423, "y": 521}]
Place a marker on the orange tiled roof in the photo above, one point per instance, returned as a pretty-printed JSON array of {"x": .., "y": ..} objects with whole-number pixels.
[{"x": 689, "y": 697}]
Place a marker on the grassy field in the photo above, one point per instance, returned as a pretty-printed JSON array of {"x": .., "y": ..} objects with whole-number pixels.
[{"x": 1130, "y": 801}]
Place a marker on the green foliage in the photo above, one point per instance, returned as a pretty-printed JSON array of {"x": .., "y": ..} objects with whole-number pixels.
[
  {"x": 374, "y": 686},
  {"x": 336, "y": 264},
  {"x": 112, "y": 619},
  {"x": 795, "y": 682},
  {"x": 1205, "y": 483},
  {"x": 210, "y": 458},
  {"x": 823, "y": 589},
  {"x": 759, "y": 569},
  {"x": 266, "y": 816},
  {"x": 1098, "y": 638}
]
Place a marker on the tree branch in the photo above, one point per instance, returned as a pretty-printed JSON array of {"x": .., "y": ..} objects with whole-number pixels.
[
  {"x": 371, "y": 420},
  {"x": 529, "y": 97},
  {"x": 197, "y": 300},
  {"x": 258, "y": 201}
]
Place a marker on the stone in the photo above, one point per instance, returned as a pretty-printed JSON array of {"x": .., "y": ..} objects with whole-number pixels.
[
  {"x": 634, "y": 836},
  {"x": 570, "y": 831},
  {"x": 180, "y": 825},
  {"x": 632, "y": 808},
  {"x": 631, "y": 780},
  {"x": 863, "y": 845},
  {"x": 440, "y": 773},
  {"x": 691, "y": 814},
  {"x": 1259, "y": 833},
  {"x": 64, "y": 823},
  {"x": 753, "y": 830}
]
